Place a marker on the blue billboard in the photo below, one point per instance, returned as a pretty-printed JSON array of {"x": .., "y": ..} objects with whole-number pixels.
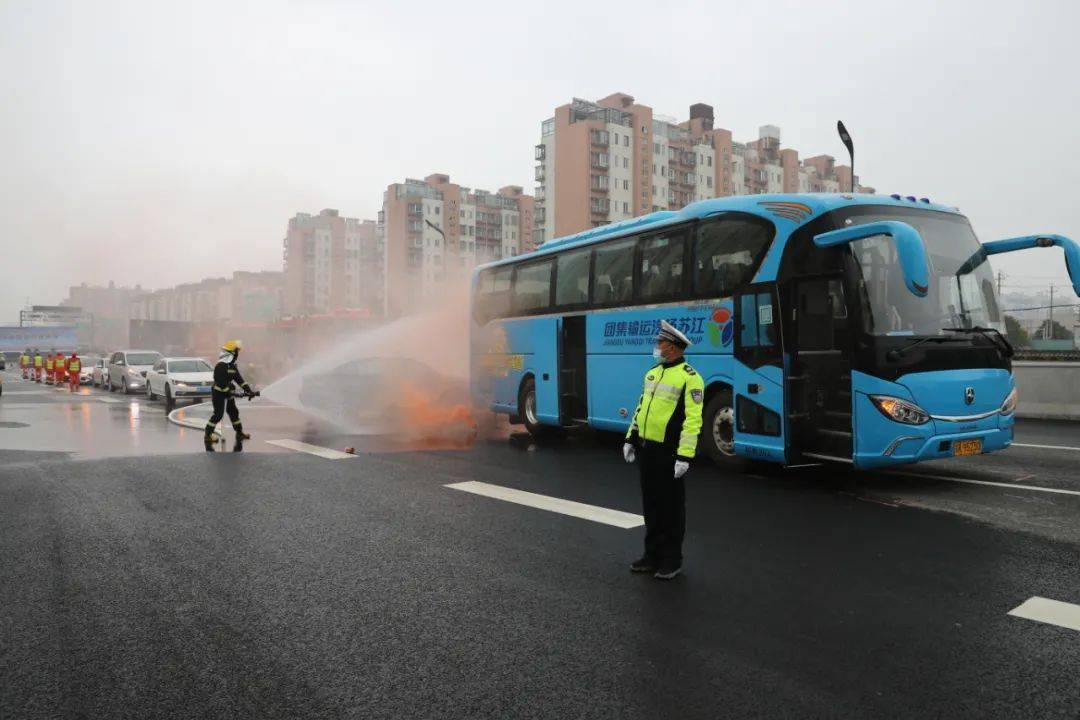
[{"x": 60, "y": 337}]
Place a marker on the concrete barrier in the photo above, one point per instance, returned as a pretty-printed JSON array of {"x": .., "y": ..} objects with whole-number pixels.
[{"x": 1048, "y": 390}]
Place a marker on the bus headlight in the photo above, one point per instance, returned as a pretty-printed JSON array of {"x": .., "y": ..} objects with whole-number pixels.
[
  {"x": 899, "y": 410},
  {"x": 1009, "y": 406}
]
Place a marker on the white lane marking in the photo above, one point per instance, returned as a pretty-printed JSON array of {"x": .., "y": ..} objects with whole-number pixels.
[
  {"x": 1045, "y": 447},
  {"x": 604, "y": 515},
  {"x": 1052, "y": 612},
  {"x": 1016, "y": 486},
  {"x": 312, "y": 449}
]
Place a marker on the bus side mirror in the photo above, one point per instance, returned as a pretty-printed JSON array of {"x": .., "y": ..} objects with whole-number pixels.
[
  {"x": 1071, "y": 248},
  {"x": 909, "y": 248}
]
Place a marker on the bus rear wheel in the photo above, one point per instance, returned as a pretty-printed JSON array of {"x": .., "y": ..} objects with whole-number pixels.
[
  {"x": 527, "y": 408},
  {"x": 718, "y": 427}
]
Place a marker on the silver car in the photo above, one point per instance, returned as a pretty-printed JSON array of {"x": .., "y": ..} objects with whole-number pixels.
[
  {"x": 128, "y": 368},
  {"x": 99, "y": 372}
]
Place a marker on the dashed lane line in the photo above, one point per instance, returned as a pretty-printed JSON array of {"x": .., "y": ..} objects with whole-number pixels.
[
  {"x": 311, "y": 449},
  {"x": 969, "y": 481},
  {"x": 603, "y": 515},
  {"x": 1051, "y": 612},
  {"x": 1045, "y": 447}
]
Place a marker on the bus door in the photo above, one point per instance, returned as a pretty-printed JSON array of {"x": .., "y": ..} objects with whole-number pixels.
[
  {"x": 819, "y": 383},
  {"x": 759, "y": 374},
  {"x": 573, "y": 389}
]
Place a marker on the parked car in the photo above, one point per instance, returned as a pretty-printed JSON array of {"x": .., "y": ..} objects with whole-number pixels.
[
  {"x": 99, "y": 372},
  {"x": 179, "y": 378},
  {"x": 128, "y": 368},
  {"x": 86, "y": 371}
]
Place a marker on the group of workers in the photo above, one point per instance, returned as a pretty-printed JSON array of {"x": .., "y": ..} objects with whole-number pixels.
[{"x": 51, "y": 369}]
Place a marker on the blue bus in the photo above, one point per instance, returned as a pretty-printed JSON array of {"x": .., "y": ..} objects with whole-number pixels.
[{"x": 861, "y": 329}]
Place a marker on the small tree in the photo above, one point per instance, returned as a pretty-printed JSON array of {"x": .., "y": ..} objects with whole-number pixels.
[
  {"x": 1057, "y": 331},
  {"x": 1016, "y": 333}
]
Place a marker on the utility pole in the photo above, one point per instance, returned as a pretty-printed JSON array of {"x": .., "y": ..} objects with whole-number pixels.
[
  {"x": 1001, "y": 281},
  {"x": 1050, "y": 324}
]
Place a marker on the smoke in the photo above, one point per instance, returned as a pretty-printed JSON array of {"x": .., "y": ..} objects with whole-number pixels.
[{"x": 405, "y": 382}]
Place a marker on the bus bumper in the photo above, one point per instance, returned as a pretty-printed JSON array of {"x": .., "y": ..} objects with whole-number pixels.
[{"x": 936, "y": 440}]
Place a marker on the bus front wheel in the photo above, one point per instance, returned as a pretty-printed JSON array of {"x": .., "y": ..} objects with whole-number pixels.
[
  {"x": 718, "y": 427},
  {"x": 527, "y": 407}
]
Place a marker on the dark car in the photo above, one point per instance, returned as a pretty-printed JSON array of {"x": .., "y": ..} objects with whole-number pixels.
[{"x": 403, "y": 398}]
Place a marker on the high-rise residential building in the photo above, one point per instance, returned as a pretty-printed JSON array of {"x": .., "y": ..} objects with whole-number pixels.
[
  {"x": 436, "y": 232},
  {"x": 332, "y": 263},
  {"x": 246, "y": 297},
  {"x": 604, "y": 161}
]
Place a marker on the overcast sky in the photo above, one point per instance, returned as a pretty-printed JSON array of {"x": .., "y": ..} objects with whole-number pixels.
[{"x": 163, "y": 142}]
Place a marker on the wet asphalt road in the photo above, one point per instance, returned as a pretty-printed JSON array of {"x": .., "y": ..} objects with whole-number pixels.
[{"x": 141, "y": 577}]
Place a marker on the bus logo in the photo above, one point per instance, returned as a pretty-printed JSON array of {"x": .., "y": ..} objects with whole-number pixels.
[
  {"x": 720, "y": 329},
  {"x": 969, "y": 395}
]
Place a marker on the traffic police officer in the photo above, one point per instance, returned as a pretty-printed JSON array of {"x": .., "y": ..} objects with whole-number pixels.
[
  {"x": 226, "y": 375},
  {"x": 664, "y": 433}
]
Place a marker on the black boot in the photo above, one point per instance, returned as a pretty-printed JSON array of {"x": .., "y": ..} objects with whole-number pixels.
[{"x": 208, "y": 442}]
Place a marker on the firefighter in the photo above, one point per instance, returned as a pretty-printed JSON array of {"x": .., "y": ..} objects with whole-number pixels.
[
  {"x": 25, "y": 363},
  {"x": 74, "y": 366},
  {"x": 664, "y": 433},
  {"x": 50, "y": 373},
  {"x": 39, "y": 364},
  {"x": 226, "y": 375},
  {"x": 60, "y": 369}
]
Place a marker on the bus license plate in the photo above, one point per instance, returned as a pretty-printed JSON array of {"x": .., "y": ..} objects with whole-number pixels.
[{"x": 967, "y": 447}]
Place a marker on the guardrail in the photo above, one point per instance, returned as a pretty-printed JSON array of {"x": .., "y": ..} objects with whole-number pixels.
[{"x": 1049, "y": 389}]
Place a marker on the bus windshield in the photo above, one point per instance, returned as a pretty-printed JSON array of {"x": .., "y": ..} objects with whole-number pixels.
[{"x": 961, "y": 292}]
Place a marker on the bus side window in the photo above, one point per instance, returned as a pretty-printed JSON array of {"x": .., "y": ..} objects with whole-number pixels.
[
  {"x": 532, "y": 287},
  {"x": 727, "y": 252},
  {"x": 613, "y": 273},
  {"x": 572, "y": 278},
  {"x": 662, "y": 261},
  {"x": 493, "y": 294}
]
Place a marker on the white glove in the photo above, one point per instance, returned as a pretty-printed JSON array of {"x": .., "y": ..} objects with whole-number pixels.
[
  {"x": 681, "y": 466},
  {"x": 628, "y": 452}
]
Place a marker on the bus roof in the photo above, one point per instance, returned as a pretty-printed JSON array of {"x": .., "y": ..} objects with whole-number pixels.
[{"x": 796, "y": 208}]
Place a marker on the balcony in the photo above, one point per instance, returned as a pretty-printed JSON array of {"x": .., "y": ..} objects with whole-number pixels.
[
  {"x": 600, "y": 206},
  {"x": 540, "y": 176},
  {"x": 541, "y": 152},
  {"x": 600, "y": 160},
  {"x": 600, "y": 137},
  {"x": 599, "y": 183}
]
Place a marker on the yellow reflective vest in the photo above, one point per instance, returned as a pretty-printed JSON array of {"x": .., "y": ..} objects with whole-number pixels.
[
  {"x": 74, "y": 365},
  {"x": 49, "y": 363},
  {"x": 37, "y": 361},
  {"x": 669, "y": 411}
]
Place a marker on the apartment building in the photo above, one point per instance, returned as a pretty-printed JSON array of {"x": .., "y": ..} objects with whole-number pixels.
[
  {"x": 331, "y": 263},
  {"x": 246, "y": 297},
  {"x": 613, "y": 159},
  {"x": 436, "y": 232}
]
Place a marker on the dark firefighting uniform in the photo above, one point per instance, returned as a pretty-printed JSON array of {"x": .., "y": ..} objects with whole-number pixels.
[
  {"x": 665, "y": 427},
  {"x": 221, "y": 395}
]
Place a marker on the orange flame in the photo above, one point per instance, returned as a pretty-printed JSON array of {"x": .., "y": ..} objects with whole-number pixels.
[{"x": 431, "y": 424}]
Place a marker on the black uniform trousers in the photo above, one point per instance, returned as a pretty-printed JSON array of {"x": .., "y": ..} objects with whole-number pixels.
[
  {"x": 223, "y": 403},
  {"x": 663, "y": 500}
]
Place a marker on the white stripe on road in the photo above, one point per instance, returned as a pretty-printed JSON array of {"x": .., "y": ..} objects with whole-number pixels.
[
  {"x": 113, "y": 400},
  {"x": 1016, "y": 486},
  {"x": 312, "y": 449},
  {"x": 604, "y": 515},
  {"x": 1045, "y": 447},
  {"x": 1052, "y": 612}
]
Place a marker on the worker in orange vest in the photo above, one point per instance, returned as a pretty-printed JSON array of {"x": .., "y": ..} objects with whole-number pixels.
[
  {"x": 74, "y": 365},
  {"x": 59, "y": 365},
  {"x": 50, "y": 373}
]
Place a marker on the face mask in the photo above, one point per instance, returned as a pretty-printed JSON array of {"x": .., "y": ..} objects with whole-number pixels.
[{"x": 657, "y": 354}]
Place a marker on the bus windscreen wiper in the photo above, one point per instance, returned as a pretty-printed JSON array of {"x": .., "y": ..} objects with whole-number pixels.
[
  {"x": 994, "y": 334},
  {"x": 900, "y": 352}
]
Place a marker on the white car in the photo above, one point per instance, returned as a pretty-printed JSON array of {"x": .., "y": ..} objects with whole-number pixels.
[
  {"x": 86, "y": 371},
  {"x": 128, "y": 368},
  {"x": 99, "y": 372},
  {"x": 179, "y": 378}
]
